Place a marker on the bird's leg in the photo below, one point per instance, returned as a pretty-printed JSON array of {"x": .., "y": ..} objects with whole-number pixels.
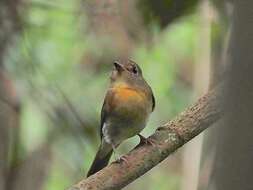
[
  {"x": 117, "y": 157},
  {"x": 115, "y": 154},
  {"x": 144, "y": 140}
]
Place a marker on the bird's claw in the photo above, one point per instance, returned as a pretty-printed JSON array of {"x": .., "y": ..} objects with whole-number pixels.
[{"x": 122, "y": 159}]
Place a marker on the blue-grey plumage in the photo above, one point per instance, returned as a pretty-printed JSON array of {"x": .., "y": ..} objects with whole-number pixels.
[{"x": 126, "y": 109}]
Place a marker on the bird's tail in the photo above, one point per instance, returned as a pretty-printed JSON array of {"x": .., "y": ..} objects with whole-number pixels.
[{"x": 101, "y": 159}]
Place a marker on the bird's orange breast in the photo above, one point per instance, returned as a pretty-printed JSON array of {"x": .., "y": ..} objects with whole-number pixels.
[{"x": 125, "y": 94}]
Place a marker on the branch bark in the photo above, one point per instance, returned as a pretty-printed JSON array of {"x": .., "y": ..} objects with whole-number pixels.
[{"x": 169, "y": 138}]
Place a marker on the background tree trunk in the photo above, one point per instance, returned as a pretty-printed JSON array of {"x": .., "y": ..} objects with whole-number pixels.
[
  {"x": 15, "y": 172},
  {"x": 219, "y": 44},
  {"x": 9, "y": 25},
  {"x": 232, "y": 165}
]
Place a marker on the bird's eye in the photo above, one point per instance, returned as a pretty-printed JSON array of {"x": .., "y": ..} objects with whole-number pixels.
[{"x": 134, "y": 70}]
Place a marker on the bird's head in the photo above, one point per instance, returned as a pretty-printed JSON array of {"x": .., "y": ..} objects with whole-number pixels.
[{"x": 127, "y": 72}]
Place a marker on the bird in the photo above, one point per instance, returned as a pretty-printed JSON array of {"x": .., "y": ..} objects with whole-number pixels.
[{"x": 128, "y": 103}]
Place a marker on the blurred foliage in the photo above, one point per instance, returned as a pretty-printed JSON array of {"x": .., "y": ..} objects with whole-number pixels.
[
  {"x": 48, "y": 65},
  {"x": 166, "y": 11}
]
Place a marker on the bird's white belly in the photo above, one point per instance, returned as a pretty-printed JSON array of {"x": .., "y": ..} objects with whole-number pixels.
[{"x": 116, "y": 132}]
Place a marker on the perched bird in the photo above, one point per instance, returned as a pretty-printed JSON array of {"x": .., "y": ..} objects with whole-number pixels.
[{"x": 126, "y": 109}]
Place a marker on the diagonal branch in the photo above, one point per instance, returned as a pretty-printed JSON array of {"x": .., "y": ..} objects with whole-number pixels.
[{"x": 169, "y": 138}]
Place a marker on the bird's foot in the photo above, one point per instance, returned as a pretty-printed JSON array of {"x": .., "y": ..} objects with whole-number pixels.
[
  {"x": 122, "y": 159},
  {"x": 118, "y": 158},
  {"x": 144, "y": 140}
]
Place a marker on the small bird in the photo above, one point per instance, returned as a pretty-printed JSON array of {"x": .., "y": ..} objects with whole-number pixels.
[{"x": 126, "y": 109}]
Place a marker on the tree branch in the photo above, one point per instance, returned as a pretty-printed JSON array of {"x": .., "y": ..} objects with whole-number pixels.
[{"x": 169, "y": 138}]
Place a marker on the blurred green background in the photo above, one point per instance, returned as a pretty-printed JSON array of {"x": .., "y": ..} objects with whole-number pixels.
[{"x": 59, "y": 65}]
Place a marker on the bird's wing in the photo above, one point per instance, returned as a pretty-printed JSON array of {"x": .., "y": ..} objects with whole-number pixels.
[
  {"x": 152, "y": 97},
  {"x": 102, "y": 121},
  {"x": 107, "y": 106},
  {"x": 153, "y": 101}
]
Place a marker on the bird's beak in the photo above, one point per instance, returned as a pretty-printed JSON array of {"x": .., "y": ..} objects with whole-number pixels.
[{"x": 119, "y": 67}]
